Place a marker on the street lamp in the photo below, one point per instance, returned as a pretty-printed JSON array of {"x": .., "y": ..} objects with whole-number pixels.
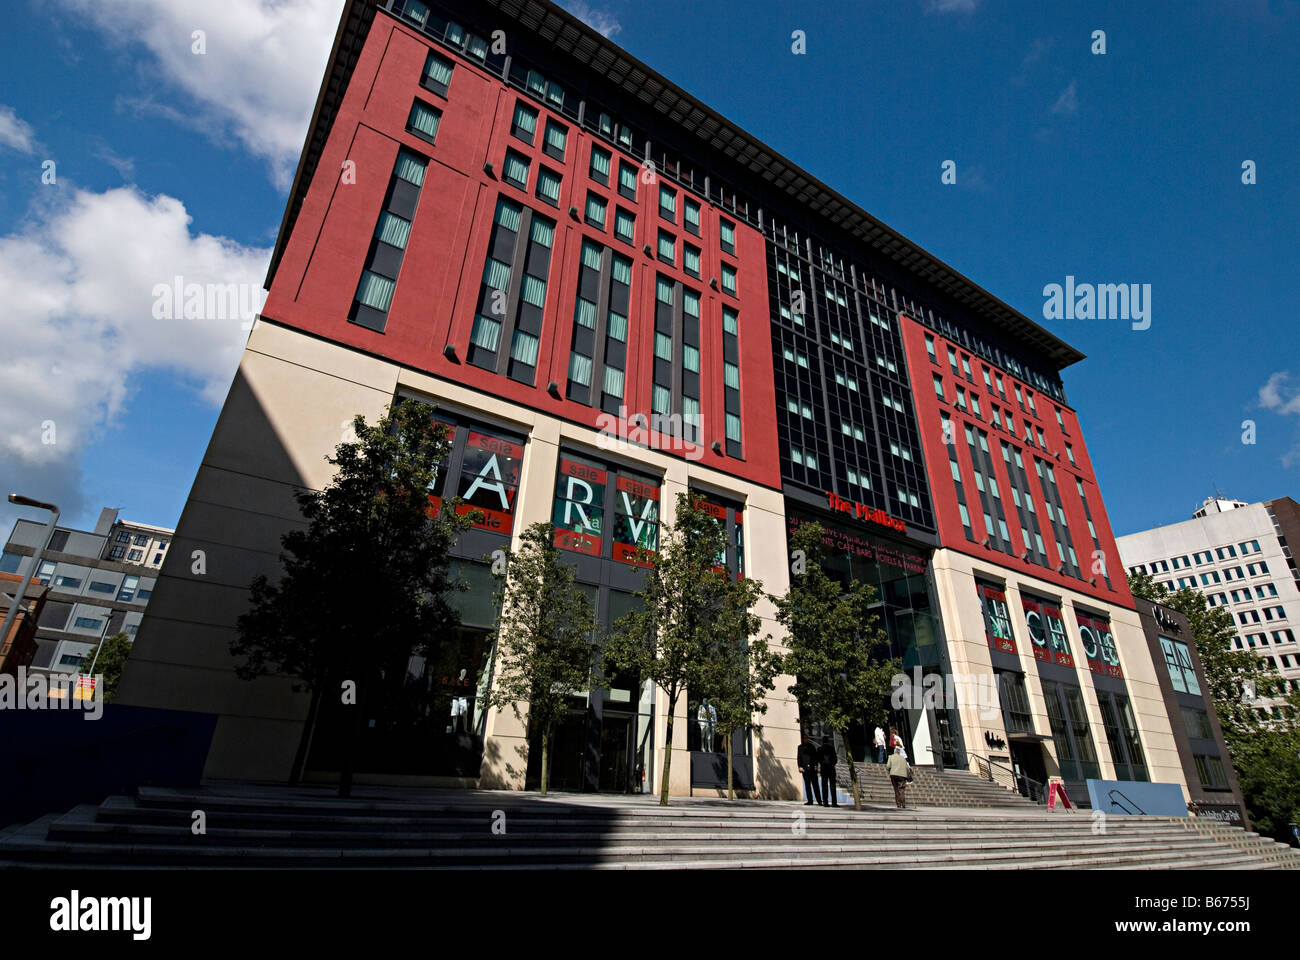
[{"x": 20, "y": 500}]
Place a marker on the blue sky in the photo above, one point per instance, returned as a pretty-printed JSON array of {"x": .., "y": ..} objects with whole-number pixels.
[{"x": 1117, "y": 168}]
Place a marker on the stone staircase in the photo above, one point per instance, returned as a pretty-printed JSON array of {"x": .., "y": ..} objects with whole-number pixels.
[
  {"x": 276, "y": 827},
  {"x": 932, "y": 788}
]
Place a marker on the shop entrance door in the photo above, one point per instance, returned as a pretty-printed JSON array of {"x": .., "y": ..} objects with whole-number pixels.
[
  {"x": 1027, "y": 759},
  {"x": 616, "y": 752}
]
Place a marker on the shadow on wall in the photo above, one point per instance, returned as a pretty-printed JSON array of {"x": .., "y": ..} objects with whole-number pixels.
[
  {"x": 774, "y": 775},
  {"x": 239, "y": 506},
  {"x": 503, "y": 769}
]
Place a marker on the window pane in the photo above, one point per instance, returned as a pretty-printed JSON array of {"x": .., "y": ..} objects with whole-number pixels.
[
  {"x": 542, "y": 232},
  {"x": 534, "y": 291},
  {"x": 691, "y": 358},
  {"x": 622, "y": 270},
  {"x": 663, "y": 346},
  {"x": 614, "y": 381},
  {"x": 524, "y": 348},
  {"x": 393, "y": 229},
  {"x": 731, "y": 375},
  {"x": 600, "y": 162},
  {"x": 486, "y": 332},
  {"x": 409, "y": 167},
  {"x": 438, "y": 70},
  {"x": 424, "y": 119},
  {"x": 729, "y": 322},
  {"x": 733, "y": 427},
  {"x": 496, "y": 274},
  {"x": 661, "y": 400},
  {"x": 508, "y": 215},
  {"x": 585, "y": 314},
  {"x": 580, "y": 369},
  {"x": 548, "y": 186},
  {"x": 617, "y": 326},
  {"x": 375, "y": 291}
]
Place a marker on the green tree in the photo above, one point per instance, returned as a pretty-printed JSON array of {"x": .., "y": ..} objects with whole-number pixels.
[
  {"x": 738, "y": 672},
  {"x": 683, "y": 616},
  {"x": 110, "y": 660},
  {"x": 1264, "y": 750},
  {"x": 543, "y": 652},
  {"x": 365, "y": 582},
  {"x": 832, "y": 635}
]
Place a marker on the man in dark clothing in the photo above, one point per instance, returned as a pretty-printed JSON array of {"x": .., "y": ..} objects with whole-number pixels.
[
  {"x": 806, "y": 758},
  {"x": 826, "y": 757}
]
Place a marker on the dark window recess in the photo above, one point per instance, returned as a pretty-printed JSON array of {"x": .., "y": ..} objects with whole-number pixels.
[{"x": 388, "y": 245}]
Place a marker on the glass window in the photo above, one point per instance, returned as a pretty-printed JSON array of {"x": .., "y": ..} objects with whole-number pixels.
[
  {"x": 437, "y": 74},
  {"x": 600, "y": 165},
  {"x": 691, "y": 260},
  {"x": 557, "y": 138},
  {"x": 624, "y": 225},
  {"x": 515, "y": 170},
  {"x": 596, "y": 210},
  {"x": 548, "y": 186},
  {"x": 729, "y": 279},
  {"x": 393, "y": 230},
  {"x": 524, "y": 125},
  {"x": 423, "y": 121},
  {"x": 489, "y": 478},
  {"x": 627, "y": 180},
  {"x": 667, "y": 204},
  {"x": 727, "y": 236},
  {"x": 375, "y": 291},
  {"x": 667, "y": 247},
  {"x": 409, "y": 167},
  {"x": 691, "y": 217}
]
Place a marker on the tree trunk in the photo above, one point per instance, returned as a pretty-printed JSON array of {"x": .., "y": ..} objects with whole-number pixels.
[
  {"x": 668, "y": 759},
  {"x": 546, "y": 743},
  {"x": 731, "y": 795},
  {"x": 304, "y": 742},
  {"x": 853, "y": 771}
]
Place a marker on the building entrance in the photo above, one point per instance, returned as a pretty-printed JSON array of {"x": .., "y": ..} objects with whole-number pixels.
[
  {"x": 617, "y": 749},
  {"x": 1031, "y": 771}
]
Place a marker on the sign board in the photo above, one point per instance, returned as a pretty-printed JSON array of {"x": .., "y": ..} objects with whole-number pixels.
[
  {"x": 1229, "y": 813},
  {"x": 1055, "y": 790}
]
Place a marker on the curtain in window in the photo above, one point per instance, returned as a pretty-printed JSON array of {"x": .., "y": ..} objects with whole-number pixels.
[
  {"x": 486, "y": 332},
  {"x": 614, "y": 382},
  {"x": 438, "y": 71},
  {"x": 542, "y": 232},
  {"x": 375, "y": 291},
  {"x": 729, "y": 324},
  {"x": 664, "y": 290},
  {"x": 691, "y": 304},
  {"x": 691, "y": 411},
  {"x": 663, "y": 346},
  {"x": 691, "y": 258},
  {"x": 585, "y": 314},
  {"x": 516, "y": 169},
  {"x": 596, "y": 209},
  {"x": 731, "y": 375},
  {"x": 534, "y": 291},
  {"x": 692, "y": 215},
  {"x": 410, "y": 168},
  {"x": 507, "y": 215},
  {"x": 661, "y": 399},
  {"x": 525, "y": 119},
  {"x": 599, "y": 162},
  {"x": 393, "y": 230},
  {"x": 733, "y": 427},
  {"x": 590, "y": 255},
  {"x": 580, "y": 369},
  {"x": 556, "y": 138},
  {"x": 524, "y": 348},
  {"x": 691, "y": 358},
  {"x": 622, "y": 270},
  {"x": 496, "y": 274},
  {"x": 425, "y": 120},
  {"x": 617, "y": 327},
  {"x": 548, "y": 186}
]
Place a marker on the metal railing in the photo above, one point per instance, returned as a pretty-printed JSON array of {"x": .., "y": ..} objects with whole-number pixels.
[
  {"x": 1127, "y": 802},
  {"x": 1027, "y": 787}
]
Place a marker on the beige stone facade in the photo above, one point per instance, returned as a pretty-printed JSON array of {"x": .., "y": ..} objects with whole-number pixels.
[{"x": 290, "y": 405}]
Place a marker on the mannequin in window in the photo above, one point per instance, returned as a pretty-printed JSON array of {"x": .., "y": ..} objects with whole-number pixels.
[
  {"x": 707, "y": 717},
  {"x": 459, "y": 709}
]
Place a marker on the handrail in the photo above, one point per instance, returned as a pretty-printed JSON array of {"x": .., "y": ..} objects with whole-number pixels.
[
  {"x": 1033, "y": 788},
  {"x": 1115, "y": 803}
]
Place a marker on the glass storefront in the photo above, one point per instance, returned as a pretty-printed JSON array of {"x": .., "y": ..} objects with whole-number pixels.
[{"x": 900, "y": 573}]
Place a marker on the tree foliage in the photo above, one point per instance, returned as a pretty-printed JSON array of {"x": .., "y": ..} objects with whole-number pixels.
[
  {"x": 365, "y": 582},
  {"x": 689, "y": 610},
  {"x": 1264, "y": 750},
  {"x": 543, "y": 653},
  {"x": 832, "y": 633},
  {"x": 737, "y": 672},
  {"x": 110, "y": 662}
]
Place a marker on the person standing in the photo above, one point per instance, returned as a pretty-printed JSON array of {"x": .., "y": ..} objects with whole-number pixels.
[
  {"x": 806, "y": 758},
  {"x": 898, "y": 771},
  {"x": 879, "y": 741},
  {"x": 827, "y": 760}
]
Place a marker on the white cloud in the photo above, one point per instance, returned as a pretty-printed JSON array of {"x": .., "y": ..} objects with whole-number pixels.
[
  {"x": 602, "y": 21},
  {"x": 1281, "y": 394},
  {"x": 79, "y": 324},
  {"x": 15, "y": 132},
  {"x": 256, "y": 83},
  {"x": 1067, "y": 104}
]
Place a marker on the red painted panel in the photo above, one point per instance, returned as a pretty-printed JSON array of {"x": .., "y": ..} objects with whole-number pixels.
[
  {"x": 437, "y": 290},
  {"x": 944, "y": 493}
]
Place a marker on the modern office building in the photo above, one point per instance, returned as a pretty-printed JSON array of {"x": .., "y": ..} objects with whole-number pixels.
[
  {"x": 1211, "y": 780},
  {"x": 1239, "y": 556},
  {"x": 613, "y": 295},
  {"x": 95, "y": 587}
]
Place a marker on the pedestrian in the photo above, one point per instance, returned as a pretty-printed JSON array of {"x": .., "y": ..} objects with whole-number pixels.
[
  {"x": 806, "y": 758},
  {"x": 879, "y": 741},
  {"x": 827, "y": 760},
  {"x": 899, "y": 772}
]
